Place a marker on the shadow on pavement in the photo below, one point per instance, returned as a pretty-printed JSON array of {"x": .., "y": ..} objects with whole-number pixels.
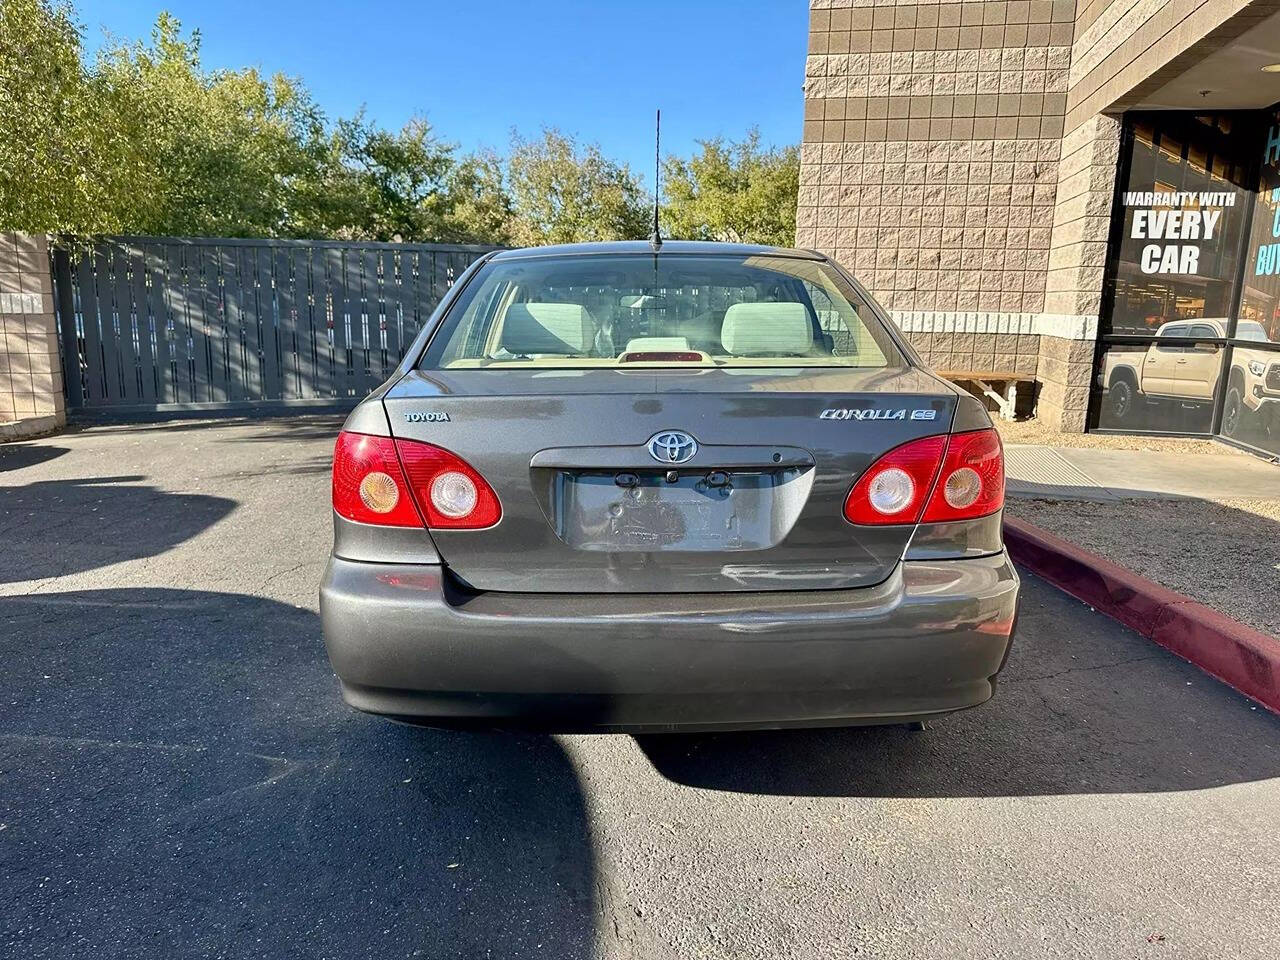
[
  {"x": 318, "y": 427},
  {"x": 178, "y": 777},
  {"x": 293, "y": 466},
  {"x": 1084, "y": 707},
  {"x": 55, "y": 527},
  {"x": 273, "y": 426},
  {"x": 15, "y": 456}
]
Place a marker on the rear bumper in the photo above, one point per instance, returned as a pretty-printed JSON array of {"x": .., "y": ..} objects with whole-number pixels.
[{"x": 929, "y": 640}]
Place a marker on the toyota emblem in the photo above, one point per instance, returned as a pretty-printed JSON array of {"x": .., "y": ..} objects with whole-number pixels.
[{"x": 672, "y": 446}]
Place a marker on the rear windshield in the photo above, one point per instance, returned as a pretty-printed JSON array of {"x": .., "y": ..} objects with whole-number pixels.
[{"x": 668, "y": 310}]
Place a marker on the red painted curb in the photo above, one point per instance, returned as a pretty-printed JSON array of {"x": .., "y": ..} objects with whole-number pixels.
[{"x": 1240, "y": 656}]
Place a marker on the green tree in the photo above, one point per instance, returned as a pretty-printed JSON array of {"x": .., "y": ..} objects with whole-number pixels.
[
  {"x": 207, "y": 153},
  {"x": 406, "y": 186},
  {"x": 480, "y": 207},
  {"x": 54, "y": 137},
  {"x": 379, "y": 185},
  {"x": 145, "y": 140},
  {"x": 733, "y": 191},
  {"x": 563, "y": 193}
]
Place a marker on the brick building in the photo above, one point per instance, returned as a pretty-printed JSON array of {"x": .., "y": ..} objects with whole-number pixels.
[{"x": 998, "y": 172}]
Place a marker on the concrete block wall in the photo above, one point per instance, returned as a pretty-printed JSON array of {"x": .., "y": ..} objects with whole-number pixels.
[
  {"x": 30, "y": 371},
  {"x": 960, "y": 157},
  {"x": 1018, "y": 352},
  {"x": 930, "y": 165},
  {"x": 1063, "y": 371},
  {"x": 1077, "y": 264},
  {"x": 931, "y": 143}
]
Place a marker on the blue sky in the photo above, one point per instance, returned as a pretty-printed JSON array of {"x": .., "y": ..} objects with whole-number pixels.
[{"x": 476, "y": 69}]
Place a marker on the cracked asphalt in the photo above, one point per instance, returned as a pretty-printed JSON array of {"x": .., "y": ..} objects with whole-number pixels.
[{"x": 178, "y": 777}]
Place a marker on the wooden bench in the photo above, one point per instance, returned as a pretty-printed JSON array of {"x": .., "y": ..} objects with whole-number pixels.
[{"x": 983, "y": 380}]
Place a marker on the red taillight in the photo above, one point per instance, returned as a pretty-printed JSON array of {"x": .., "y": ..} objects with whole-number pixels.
[
  {"x": 396, "y": 483},
  {"x": 450, "y": 493},
  {"x": 895, "y": 487},
  {"x": 368, "y": 484},
  {"x": 931, "y": 480},
  {"x": 971, "y": 483}
]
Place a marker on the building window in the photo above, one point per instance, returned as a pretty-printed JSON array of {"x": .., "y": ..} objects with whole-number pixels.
[
  {"x": 1191, "y": 300},
  {"x": 1184, "y": 203},
  {"x": 1251, "y": 403}
]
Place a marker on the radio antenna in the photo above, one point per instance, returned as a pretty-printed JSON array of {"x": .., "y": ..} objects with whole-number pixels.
[{"x": 655, "y": 240}]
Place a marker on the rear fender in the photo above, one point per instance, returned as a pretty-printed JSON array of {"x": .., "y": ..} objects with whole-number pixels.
[{"x": 957, "y": 539}]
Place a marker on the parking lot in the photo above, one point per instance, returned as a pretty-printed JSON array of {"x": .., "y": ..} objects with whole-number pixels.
[{"x": 178, "y": 776}]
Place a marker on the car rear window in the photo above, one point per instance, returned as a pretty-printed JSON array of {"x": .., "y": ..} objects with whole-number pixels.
[{"x": 667, "y": 310}]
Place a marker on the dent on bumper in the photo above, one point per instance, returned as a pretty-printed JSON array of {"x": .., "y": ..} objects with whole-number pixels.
[{"x": 930, "y": 639}]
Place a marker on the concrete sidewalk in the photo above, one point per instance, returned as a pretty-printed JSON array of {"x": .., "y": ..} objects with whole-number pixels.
[{"x": 1063, "y": 473}]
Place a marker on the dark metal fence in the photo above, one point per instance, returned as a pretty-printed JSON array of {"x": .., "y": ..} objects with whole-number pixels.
[{"x": 171, "y": 324}]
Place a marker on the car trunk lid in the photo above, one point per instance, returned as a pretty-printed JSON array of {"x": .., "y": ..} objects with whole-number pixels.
[{"x": 593, "y": 501}]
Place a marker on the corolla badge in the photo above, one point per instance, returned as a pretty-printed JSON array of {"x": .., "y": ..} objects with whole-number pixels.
[
  {"x": 672, "y": 446},
  {"x": 845, "y": 413}
]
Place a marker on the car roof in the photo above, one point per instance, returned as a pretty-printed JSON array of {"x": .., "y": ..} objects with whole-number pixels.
[{"x": 668, "y": 247}]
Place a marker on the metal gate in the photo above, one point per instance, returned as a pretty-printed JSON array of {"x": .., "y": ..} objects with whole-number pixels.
[{"x": 176, "y": 324}]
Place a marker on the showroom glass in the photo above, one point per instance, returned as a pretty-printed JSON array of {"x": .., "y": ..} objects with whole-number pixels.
[
  {"x": 1251, "y": 402},
  {"x": 1176, "y": 262},
  {"x": 1260, "y": 302},
  {"x": 1173, "y": 279},
  {"x": 669, "y": 310}
]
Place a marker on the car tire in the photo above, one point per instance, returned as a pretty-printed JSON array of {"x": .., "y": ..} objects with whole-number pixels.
[
  {"x": 1232, "y": 412},
  {"x": 1120, "y": 398}
]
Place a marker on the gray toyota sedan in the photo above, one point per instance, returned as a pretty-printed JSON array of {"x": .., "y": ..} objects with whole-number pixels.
[{"x": 671, "y": 486}]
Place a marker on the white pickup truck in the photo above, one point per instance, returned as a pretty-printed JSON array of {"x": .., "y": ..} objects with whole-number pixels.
[{"x": 1188, "y": 374}]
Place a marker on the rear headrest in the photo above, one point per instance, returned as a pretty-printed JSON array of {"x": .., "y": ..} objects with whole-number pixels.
[
  {"x": 530, "y": 328},
  {"x": 767, "y": 330}
]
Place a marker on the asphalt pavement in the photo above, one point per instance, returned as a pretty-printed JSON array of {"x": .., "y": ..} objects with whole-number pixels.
[{"x": 178, "y": 777}]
